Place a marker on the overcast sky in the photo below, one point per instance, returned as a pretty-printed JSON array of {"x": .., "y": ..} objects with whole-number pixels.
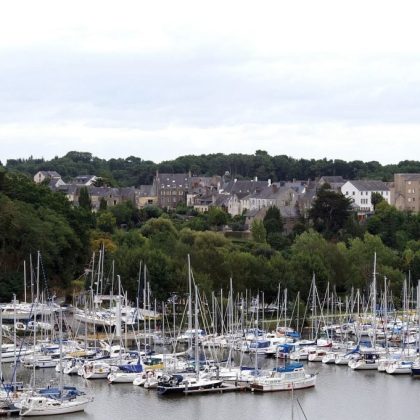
[{"x": 160, "y": 79}]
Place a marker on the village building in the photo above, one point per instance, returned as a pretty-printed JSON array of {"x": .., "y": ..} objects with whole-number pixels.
[
  {"x": 171, "y": 189},
  {"x": 405, "y": 192},
  {"x": 145, "y": 195},
  {"x": 53, "y": 177},
  {"x": 360, "y": 192}
]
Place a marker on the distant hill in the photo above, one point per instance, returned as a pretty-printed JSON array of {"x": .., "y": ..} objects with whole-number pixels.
[{"x": 134, "y": 171}]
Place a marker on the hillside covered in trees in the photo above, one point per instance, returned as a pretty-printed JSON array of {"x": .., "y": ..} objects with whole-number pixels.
[
  {"x": 34, "y": 218},
  {"x": 133, "y": 171}
]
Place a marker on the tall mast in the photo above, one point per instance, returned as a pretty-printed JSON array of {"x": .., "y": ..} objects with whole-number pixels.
[
  {"x": 374, "y": 301},
  {"x": 197, "y": 364},
  {"x": 24, "y": 281},
  {"x": 418, "y": 315},
  {"x": 189, "y": 295}
]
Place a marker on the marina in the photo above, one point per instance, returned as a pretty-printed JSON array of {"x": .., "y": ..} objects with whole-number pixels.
[
  {"x": 67, "y": 368},
  {"x": 340, "y": 394}
]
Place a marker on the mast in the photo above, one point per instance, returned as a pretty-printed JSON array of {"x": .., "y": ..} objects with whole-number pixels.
[
  {"x": 61, "y": 350},
  {"x": 285, "y": 310},
  {"x": 37, "y": 275},
  {"x": 385, "y": 312},
  {"x": 1, "y": 345},
  {"x": 374, "y": 300},
  {"x": 197, "y": 364},
  {"x": 24, "y": 281},
  {"x": 14, "y": 337},
  {"x": 418, "y": 316},
  {"x": 189, "y": 295},
  {"x": 313, "y": 306}
]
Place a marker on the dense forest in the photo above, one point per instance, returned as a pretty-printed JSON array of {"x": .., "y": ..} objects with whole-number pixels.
[
  {"x": 337, "y": 250},
  {"x": 133, "y": 171}
]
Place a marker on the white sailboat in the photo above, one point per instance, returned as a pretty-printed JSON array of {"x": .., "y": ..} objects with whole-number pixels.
[
  {"x": 286, "y": 378},
  {"x": 170, "y": 384},
  {"x": 50, "y": 401}
]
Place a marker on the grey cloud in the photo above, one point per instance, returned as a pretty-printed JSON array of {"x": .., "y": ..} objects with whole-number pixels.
[{"x": 206, "y": 88}]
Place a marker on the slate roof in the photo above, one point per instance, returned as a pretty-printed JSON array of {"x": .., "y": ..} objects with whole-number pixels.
[
  {"x": 271, "y": 192},
  {"x": 50, "y": 174},
  {"x": 333, "y": 179},
  {"x": 83, "y": 179},
  {"x": 370, "y": 185},
  {"x": 172, "y": 181},
  {"x": 103, "y": 191},
  {"x": 244, "y": 186},
  {"x": 70, "y": 189},
  {"x": 146, "y": 191}
]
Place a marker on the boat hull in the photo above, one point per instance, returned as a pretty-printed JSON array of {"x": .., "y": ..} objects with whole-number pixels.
[{"x": 273, "y": 385}]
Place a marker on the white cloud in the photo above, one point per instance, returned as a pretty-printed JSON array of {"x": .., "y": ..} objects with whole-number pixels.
[
  {"x": 336, "y": 141},
  {"x": 304, "y": 78}
]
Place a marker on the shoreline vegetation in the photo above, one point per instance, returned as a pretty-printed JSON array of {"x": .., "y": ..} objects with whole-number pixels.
[{"x": 33, "y": 218}]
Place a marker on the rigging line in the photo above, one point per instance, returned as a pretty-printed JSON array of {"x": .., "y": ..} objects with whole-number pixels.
[{"x": 304, "y": 415}]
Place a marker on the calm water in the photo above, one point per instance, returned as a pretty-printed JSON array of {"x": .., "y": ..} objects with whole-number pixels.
[{"x": 340, "y": 393}]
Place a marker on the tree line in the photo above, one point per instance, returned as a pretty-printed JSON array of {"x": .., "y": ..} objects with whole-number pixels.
[{"x": 134, "y": 171}]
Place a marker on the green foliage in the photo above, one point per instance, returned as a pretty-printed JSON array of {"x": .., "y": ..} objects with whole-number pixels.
[
  {"x": 273, "y": 222},
  {"x": 200, "y": 223},
  {"x": 106, "y": 222},
  {"x": 84, "y": 199},
  {"x": 394, "y": 227},
  {"x": 330, "y": 211},
  {"x": 376, "y": 198},
  {"x": 34, "y": 218},
  {"x": 359, "y": 256},
  {"x": 258, "y": 231},
  {"x": 149, "y": 212},
  {"x": 217, "y": 217},
  {"x": 126, "y": 214},
  {"x": 103, "y": 204}
]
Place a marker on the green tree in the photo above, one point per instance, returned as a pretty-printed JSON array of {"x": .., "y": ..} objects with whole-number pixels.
[
  {"x": 375, "y": 199},
  {"x": 106, "y": 222},
  {"x": 84, "y": 199},
  {"x": 103, "y": 204},
  {"x": 258, "y": 231},
  {"x": 273, "y": 222},
  {"x": 217, "y": 217},
  {"x": 330, "y": 211}
]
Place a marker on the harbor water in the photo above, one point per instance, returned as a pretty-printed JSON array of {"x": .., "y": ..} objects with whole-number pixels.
[{"x": 340, "y": 393}]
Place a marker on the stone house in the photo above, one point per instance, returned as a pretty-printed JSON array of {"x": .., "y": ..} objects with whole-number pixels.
[
  {"x": 405, "y": 192},
  {"x": 171, "y": 189},
  {"x": 53, "y": 177},
  {"x": 145, "y": 196}
]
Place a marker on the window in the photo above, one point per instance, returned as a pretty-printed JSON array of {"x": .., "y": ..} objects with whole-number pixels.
[{"x": 353, "y": 193}]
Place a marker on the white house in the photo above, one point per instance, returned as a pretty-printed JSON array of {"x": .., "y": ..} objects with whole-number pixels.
[{"x": 361, "y": 192}]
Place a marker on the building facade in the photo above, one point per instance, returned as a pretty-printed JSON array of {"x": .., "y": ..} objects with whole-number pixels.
[
  {"x": 406, "y": 192},
  {"x": 360, "y": 192}
]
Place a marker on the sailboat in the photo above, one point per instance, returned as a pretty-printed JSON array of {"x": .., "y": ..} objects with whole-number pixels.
[
  {"x": 170, "y": 384},
  {"x": 287, "y": 378},
  {"x": 415, "y": 368},
  {"x": 51, "y": 400}
]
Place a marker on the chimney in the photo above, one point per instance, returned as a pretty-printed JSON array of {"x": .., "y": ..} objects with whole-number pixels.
[
  {"x": 269, "y": 182},
  {"x": 255, "y": 178}
]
